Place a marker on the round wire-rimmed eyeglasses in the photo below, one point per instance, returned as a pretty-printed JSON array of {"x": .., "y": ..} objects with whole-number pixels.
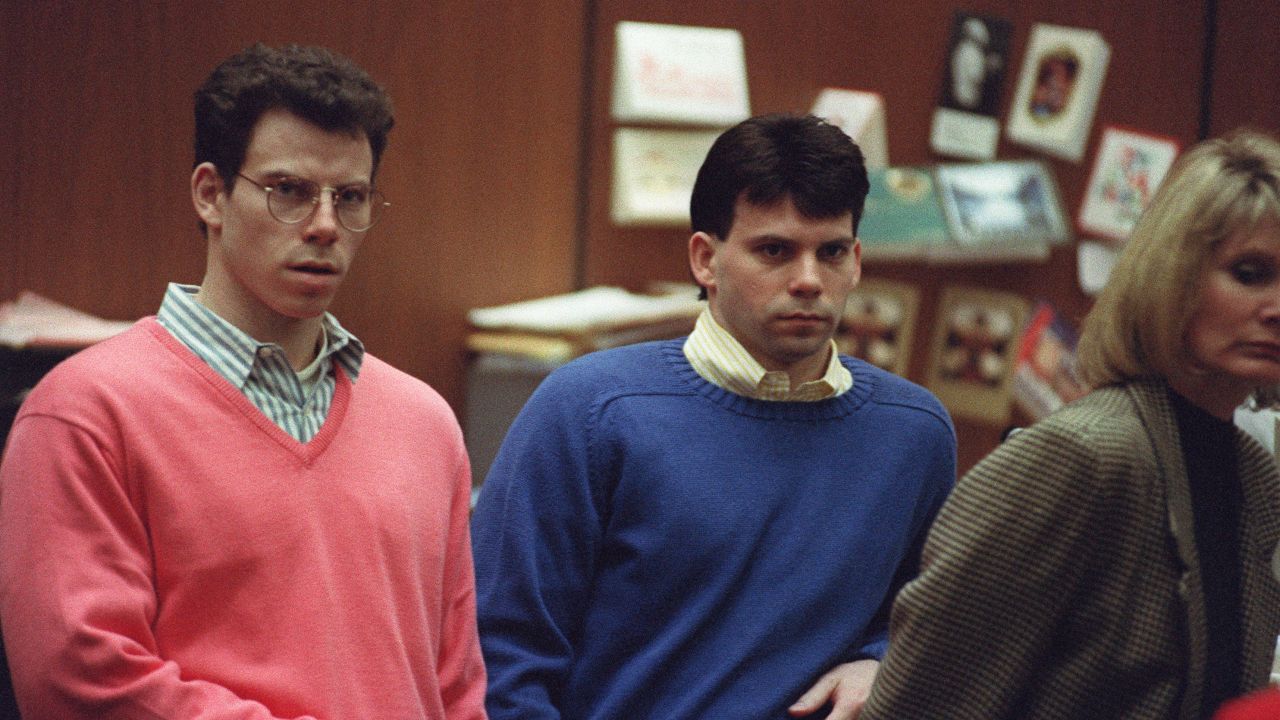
[{"x": 292, "y": 200}]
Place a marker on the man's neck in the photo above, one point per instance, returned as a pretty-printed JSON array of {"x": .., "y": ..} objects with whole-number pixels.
[{"x": 300, "y": 337}]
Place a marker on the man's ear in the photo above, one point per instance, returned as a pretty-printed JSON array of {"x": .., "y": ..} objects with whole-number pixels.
[
  {"x": 207, "y": 194},
  {"x": 702, "y": 250},
  {"x": 857, "y": 261}
]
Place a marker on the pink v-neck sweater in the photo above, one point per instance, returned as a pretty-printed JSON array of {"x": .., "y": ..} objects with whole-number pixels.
[{"x": 166, "y": 551}]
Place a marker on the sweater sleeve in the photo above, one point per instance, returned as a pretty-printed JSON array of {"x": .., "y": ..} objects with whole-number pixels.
[
  {"x": 1000, "y": 568},
  {"x": 461, "y": 666},
  {"x": 535, "y": 531},
  {"x": 76, "y": 596}
]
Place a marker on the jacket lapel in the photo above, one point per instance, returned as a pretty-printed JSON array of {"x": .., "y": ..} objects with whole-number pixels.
[{"x": 1152, "y": 401}]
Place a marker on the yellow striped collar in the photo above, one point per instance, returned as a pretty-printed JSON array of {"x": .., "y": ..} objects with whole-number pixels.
[{"x": 721, "y": 360}]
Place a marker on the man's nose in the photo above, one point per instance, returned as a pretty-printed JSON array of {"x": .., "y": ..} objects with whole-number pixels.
[
  {"x": 323, "y": 226},
  {"x": 807, "y": 278}
]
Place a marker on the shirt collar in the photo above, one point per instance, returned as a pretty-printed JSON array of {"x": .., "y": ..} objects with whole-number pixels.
[
  {"x": 721, "y": 360},
  {"x": 233, "y": 352}
]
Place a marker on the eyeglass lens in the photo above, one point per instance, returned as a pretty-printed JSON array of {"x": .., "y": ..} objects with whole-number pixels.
[{"x": 292, "y": 200}]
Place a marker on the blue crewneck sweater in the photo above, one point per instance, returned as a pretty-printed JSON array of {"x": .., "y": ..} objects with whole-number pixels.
[{"x": 649, "y": 545}]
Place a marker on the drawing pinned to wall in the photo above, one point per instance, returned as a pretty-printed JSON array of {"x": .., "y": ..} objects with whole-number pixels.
[
  {"x": 679, "y": 73},
  {"x": 653, "y": 174},
  {"x": 1129, "y": 166},
  {"x": 1058, "y": 90},
  {"x": 879, "y": 324},
  {"x": 974, "y": 346},
  {"x": 965, "y": 123}
]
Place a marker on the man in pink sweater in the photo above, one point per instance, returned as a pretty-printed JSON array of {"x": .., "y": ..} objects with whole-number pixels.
[{"x": 231, "y": 510}]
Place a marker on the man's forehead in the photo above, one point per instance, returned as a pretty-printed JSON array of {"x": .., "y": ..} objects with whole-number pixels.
[{"x": 785, "y": 209}]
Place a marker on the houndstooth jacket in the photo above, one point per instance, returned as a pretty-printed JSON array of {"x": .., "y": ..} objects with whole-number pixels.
[{"x": 1061, "y": 578}]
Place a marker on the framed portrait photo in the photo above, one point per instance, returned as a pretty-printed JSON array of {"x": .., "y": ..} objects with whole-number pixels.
[
  {"x": 1129, "y": 166},
  {"x": 879, "y": 324},
  {"x": 974, "y": 346},
  {"x": 1058, "y": 90}
]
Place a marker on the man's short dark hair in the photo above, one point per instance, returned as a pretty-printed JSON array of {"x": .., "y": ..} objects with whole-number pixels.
[
  {"x": 316, "y": 84},
  {"x": 771, "y": 157}
]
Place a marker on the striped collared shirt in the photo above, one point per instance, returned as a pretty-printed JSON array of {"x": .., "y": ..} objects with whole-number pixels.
[
  {"x": 296, "y": 401},
  {"x": 721, "y": 360}
]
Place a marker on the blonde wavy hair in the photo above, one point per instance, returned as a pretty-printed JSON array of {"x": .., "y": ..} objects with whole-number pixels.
[{"x": 1137, "y": 327}]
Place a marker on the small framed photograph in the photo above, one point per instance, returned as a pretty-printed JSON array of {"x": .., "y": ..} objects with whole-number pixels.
[
  {"x": 1130, "y": 165},
  {"x": 653, "y": 174},
  {"x": 973, "y": 350},
  {"x": 879, "y": 324},
  {"x": 1058, "y": 90},
  {"x": 1007, "y": 210}
]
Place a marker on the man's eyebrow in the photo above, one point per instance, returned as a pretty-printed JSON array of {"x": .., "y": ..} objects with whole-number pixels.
[{"x": 283, "y": 174}]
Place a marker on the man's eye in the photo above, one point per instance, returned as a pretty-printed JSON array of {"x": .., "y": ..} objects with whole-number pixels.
[
  {"x": 354, "y": 196},
  {"x": 772, "y": 250},
  {"x": 834, "y": 252},
  {"x": 290, "y": 189}
]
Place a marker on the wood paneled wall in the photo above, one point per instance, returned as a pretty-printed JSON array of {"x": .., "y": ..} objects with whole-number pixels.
[
  {"x": 493, "y": 141},
  {"x": 95, "y": 202}
]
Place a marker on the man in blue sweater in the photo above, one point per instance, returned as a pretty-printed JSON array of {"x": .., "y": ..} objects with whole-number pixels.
[{"x": 715, "y": 527}]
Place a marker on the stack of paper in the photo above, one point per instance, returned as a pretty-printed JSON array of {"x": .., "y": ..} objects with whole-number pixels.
[
  {"x": 32, "y": 320},
  {"x": 560, "y": 327}
]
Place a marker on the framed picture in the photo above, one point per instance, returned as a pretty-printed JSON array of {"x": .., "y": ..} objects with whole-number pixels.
[
  {"x": 653, "y": 174},
  {"x": 964, "y": 123},
  {"x": 974, "y": 346},
  {"x": 1007, "y": 210},
  {"x": 1129, "y": 166},
  {"x": 879, "y": 324},
  {"x": 679, "y": 74},
  {"x": 1058, "y": 90},
  {"x": 902, "y": 217}
]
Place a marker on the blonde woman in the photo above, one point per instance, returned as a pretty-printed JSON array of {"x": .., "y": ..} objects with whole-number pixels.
[{"x": 1112, "y": 561}]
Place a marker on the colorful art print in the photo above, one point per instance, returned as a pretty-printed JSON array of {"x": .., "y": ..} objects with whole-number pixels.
[
  {"x": 1046, "y": 374},
  {"x": 879, "y": 323},
  {"x": 976, "y": 62},
  {"x": 975, "y": 340},
  {"x": 1129, "y": 167},
  {"x": 1001, "y": 201}
]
